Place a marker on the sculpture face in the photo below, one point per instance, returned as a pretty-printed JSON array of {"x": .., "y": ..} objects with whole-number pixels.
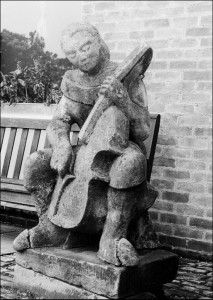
[{"x": 82, "y": 50}]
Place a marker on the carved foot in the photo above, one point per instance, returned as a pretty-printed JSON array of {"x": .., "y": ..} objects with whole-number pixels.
[
  {"x": 44, "y": 234},
  {"x": 118, "y": 252}
]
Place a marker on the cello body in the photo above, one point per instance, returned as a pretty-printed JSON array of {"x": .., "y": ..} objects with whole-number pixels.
[{"x": 83, "y": 203}]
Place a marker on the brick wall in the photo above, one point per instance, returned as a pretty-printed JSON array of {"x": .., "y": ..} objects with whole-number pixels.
[{"x": 179, "y": 88}]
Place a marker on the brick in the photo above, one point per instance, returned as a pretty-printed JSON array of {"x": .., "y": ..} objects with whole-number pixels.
[
  {"x": 172, "y": 241},
  {"x": 205, "y": 64},
  {"x": 172, "y": 152},
  {"x": 198, "y": 53},
  {"x": 195, "y": 98},
  {"x": 170, "y": 32},
  {"x": 153, "y": 214},
  {"x": 209, "y": 188},
  {"x": 166, "y": 97},
  {"x": 127, "y": 45},
  {"x": 198, "y": 177},
  {"x": 87, "y": 8},
  {"x": 195, "y": 143},
  {"x": 189, "y": 210},
  {"x": 188, "y": 233},
  {"x": 204, "y": 86},
  {"x": 145, "y": 13},
  {"x": 117, "y": 56},
  {"x": 200, "y": 246},
  {"x": 190, "y": 187},
  {"x": 202, "y": 201},
  {"x": 206, "y": 21},
  {"x": 164, "y": 140},
  {"x": 105, "y": 27},
  {"x": 104, "y": 5},
  {"x": 168, "y": 54},
  {"x": 185, "y": 22},
  {"x": 203, "y": 155},
  {"x": 179, "y": 108},
  {"x": 93, "y": 18},
  {"x": 175, "y": 197},
  {"x": 199, "y": 7},
  {"x": 203, "y": 109},
  {"x": 161, "y": 184},
  {"x": 141, "y": 34},
  {"x": 163, "y": 205},
  {"x": 163, "y": 228},
  {"x": 176, "y": 130},
  {"x": 156, "y": 108},
  {"x": 115, "y": 36},
  {"x": 155, "y": 86},
  {"x": 197, "y": 75},
  {"x": 208, "y": 236},
  {"x": 188, "y": 120},
  {"x": 182, "y": 64},
  {"x": 172, "y": 218},
  {"x": 156, "y": 23},
  {"x": 198, "y": 31},
  {"x": 183, "y": 43},
  {"x": 206, "y": 42},
  {"x": 158, "y": 65},
  {"x": 173, "y": 11},
  {"x": 170, "y": 119},
  {"x": 176, "y": 174},
  {"x": 164, "y": 162},
  {"x": 203, "y": 132},
  {"x": 200, "y": 223},
  {"x": 158, "y": 44},
  {"x": 168, "y": 75}
]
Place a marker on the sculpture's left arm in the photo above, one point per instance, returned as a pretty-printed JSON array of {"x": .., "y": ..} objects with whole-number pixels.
[{"x": 132, "y": 100}]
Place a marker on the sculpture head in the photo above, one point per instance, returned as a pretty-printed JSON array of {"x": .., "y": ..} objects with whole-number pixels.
[{"x": 83, "y": 46}]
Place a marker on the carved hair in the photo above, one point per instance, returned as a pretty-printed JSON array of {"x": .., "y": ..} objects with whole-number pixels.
[{"x": 73, "y": 28}]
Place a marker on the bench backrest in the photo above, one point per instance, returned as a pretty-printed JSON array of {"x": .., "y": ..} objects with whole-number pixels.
[{"x": 21, "y": 137}]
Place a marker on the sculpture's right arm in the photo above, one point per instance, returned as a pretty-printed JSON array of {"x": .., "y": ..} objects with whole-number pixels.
[{"x": 58, "y": 133}]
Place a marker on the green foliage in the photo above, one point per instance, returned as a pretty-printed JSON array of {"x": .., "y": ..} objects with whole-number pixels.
[{"x": 38, "y": 74}]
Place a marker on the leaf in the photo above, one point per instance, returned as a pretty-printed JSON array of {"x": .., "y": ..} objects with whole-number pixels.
[{"x": 22, "y": 82}]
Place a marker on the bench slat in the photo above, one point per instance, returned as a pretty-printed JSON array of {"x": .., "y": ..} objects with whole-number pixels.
[
  {"x": 12, "y": 181},
  {"x": 29, "y": 123},
  {"x": 26, "y": 150},
  {"x": 35, "y": 140},
  {"x": 14, "y": 197},
  {"x": 13, "y": 159},
  {"x": 20, "y": 153},
  {"x": 13, "y": 188},
  {"x": 2, "y": 134},
  {"x": 8, "y": 152},
  {"x": 18, "y": 206}
]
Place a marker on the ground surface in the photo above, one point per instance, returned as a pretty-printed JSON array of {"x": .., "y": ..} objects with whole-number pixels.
[{"x": 194, "y": 278}]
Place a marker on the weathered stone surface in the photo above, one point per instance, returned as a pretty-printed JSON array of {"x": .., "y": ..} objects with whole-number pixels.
[
  {"x": 82, "y": 268},
  {"x": 97, "y": 187},
  {"x": 49, "y": 288}
]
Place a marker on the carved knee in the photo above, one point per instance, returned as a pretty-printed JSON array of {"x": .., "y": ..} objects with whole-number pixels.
[{"x": 37, "y": 169}]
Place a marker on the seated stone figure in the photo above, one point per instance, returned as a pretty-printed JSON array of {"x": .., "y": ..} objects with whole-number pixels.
[{"x": 126, "y": 187}]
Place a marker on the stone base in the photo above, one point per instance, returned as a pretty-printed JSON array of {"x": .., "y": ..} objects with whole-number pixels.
[{"x": 55, "y": 273}]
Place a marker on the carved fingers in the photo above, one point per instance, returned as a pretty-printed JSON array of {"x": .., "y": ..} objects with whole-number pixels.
[
  {"x": 61, "y": 159},
  {"x": 112, "y": 88}
]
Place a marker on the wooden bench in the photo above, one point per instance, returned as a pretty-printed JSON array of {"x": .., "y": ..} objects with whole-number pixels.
[{"x": 21, "y": 137}]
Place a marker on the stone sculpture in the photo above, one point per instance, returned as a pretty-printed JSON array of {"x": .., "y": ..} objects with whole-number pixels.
[{"x": 98, "y": 187}]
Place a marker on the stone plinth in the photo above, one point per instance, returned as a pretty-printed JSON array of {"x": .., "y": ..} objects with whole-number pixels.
[{"x": 79, "y": 274}]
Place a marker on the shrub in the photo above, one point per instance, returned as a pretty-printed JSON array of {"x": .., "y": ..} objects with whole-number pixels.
[{"x": 30, "y": 84}]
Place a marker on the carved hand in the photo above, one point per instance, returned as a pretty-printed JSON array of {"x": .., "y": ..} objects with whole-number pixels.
[
  {"x": 62, "y": 159},
  {"x": 112, "y": 88}
]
